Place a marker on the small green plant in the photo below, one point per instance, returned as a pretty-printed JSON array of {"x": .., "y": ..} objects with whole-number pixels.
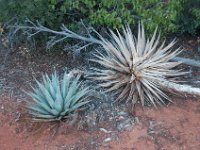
[{"x": 54, "y": 100}]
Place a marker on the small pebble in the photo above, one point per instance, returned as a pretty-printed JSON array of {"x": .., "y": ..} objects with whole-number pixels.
[
  {"x": 107, "y": 140},
  {"x": 104, "y": 130}
]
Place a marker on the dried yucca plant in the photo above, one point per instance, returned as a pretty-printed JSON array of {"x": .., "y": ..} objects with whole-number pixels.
[
  {"x": 138, "y": 69},
  {"x": 133, "y": 68}
]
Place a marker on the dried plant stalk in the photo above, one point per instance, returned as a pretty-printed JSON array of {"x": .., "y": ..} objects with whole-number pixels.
[
  {"x": 139, "y": 69},
  {"x": 180, "y": 88}
]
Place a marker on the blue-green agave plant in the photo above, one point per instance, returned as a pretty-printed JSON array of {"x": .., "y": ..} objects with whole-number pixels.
[{"x": 54, "y": 99}]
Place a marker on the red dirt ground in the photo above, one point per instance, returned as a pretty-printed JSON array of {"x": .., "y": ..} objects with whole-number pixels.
[{"x": 176, "y": 127}]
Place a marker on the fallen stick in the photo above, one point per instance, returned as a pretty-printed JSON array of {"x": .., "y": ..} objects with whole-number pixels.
[
  {"x": 180, "y": 88},
  {"x": 187, "y": 61}
]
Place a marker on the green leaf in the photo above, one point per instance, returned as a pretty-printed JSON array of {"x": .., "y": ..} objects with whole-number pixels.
[
  {"x": 78, "y": 96},
  {"x": 38, "y": 109},
  {"x": 59, "y": 102},
  {"x": 65, "y": 85},
  {"x": 72, "y": 89},
  {"x": 46, "y": 94},
  {"x": 78, "y": 105}
]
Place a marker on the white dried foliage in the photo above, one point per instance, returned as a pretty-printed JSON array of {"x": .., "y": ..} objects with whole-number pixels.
[{"x": 134, "y": 68}]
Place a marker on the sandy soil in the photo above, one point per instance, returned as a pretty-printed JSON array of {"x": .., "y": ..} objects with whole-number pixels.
[{"x": 175, "y": 127}]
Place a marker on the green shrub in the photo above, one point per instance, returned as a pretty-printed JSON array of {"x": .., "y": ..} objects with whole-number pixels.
[
  {"x": 114, "y": 14},
  {"x": 17, "y": 11},
  {"x": 189, "y": 18},
  {"x": 54, "y": 100},
  {"x": 171, "y": 16},
  {"x": 32, "y": 9}
]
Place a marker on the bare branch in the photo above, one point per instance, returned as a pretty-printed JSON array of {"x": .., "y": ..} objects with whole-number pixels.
[
  {"x": 187, "y": 61},
  {"x": 35, "y": 28},
  {"x": 54, "y": 40},
  {"x": 180, "y": 88}
]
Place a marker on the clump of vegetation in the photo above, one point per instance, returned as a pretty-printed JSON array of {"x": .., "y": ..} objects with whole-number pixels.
[
  {"x": 171, "y": 16},
  {"x": 114, "y": 14},
  {"x": 54, "y": 99},
  {"x": 138, "y": 69},
  {"x": 188, "y": 19},
  {"x": 36, "y": 10}
]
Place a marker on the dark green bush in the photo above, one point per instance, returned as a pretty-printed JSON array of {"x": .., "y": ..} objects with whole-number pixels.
[
  {"x": 115, "y": 13},
  {"x": 12, "y": 11},
  {"x": 33, "y": 9},
  {"x": 188, "y": 20},
  {"x": 171, "y": 16}
]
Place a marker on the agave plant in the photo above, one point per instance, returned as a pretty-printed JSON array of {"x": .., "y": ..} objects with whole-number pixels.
[
  {"x": 136, "y": 68},
  {"x": 54, "y": 100}
]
